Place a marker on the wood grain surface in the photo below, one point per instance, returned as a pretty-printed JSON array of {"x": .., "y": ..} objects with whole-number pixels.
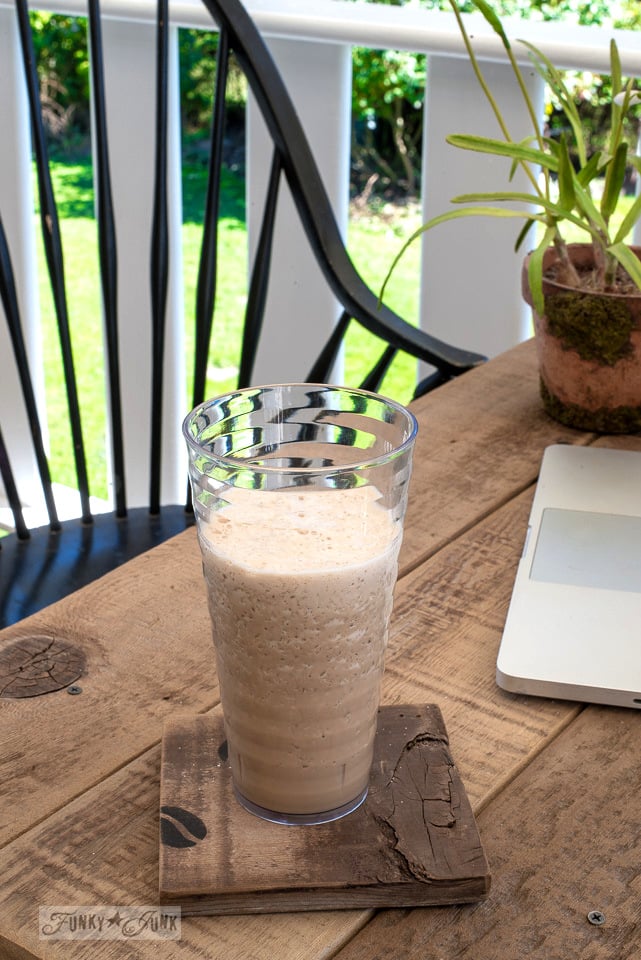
[
  {"x": 450, "y": 653},
  {"x": 36, "y": 664},
  {"x": 129, "y": 624},
  {"x": 563, "y": 840},
  {"x": 129, "y": 627},
  {"x": 554, "y": 786}
]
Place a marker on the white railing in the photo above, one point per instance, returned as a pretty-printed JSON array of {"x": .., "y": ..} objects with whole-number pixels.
[{"x": 470, "y": 287}]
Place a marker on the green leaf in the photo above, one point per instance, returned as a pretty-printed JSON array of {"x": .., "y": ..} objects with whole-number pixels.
[
  {"x": 614, "y": 177},
  {"x": 499, "y": 148},
  {"x": 523, "y": 232},
  {"x": 546, "y": 69},
  {"x": 515, "y": 196},
  {"x": 627, "y": 260},
  {"x": 629, "y": 221},
  {"x": 452, "y": 215},
  {"x": 616, "y": 110},
  {"x": 554, "y": 209},
  {"x": 473, "y": 212},
  {"x": 556, "y": 81},
  {"x": 588, "y": 172},
  {"x": 525, "y": 142},
  {"x": 535, "y": 271},
  {"x": 615, "y": 68},
  {"x": 586, "y": 206},
  {"x": 566, "y": 176},
  {"x": 493, "y": 20}
]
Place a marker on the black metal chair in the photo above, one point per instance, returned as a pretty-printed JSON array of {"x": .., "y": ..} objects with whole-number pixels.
[
  {"x": 292, "y": 157},
  {"x": 40, "y": 566}
]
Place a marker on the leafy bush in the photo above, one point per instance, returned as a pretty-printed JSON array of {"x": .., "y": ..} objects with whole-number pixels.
[
  {"x": 60, "y": 44},
  {"x": 387, "y": 100}
]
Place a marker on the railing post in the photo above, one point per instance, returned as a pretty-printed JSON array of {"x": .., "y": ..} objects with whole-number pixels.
[
  {"x": 129, "y": 66},
  {"x": 301, "y": 311},
  {"x": 16, "y": 207},
  {"x": 468, "y": 297}
]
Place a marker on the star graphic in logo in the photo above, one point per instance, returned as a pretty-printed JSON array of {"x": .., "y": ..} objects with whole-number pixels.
[{"x": 116, "y": 919}]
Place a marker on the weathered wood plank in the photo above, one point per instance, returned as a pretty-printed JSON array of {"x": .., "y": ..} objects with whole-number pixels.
[
  {"x": 413, "y": 842},
  {"x": 573, "y": 847},
  {"x": 442, "y": 649},
  {"x": 145, "y": 636},
  {"x": 103, "y": 849},
  {"x": 144, "y": 629},
  {"x": 148, "y": 659},
  {"x": 38, "y": 664},
  {"x": 444, "y": 638}
]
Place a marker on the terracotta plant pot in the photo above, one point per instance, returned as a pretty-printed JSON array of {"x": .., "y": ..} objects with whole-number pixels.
[{"x": 589, "y": 350}]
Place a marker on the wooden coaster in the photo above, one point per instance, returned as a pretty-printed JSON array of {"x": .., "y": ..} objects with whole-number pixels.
[{"x": 414, "y": 841}]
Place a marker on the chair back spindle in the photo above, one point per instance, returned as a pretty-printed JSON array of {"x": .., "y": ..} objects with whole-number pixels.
[
  {"x": 52, "y": 243},
  {"x": 208, "y": 262},
  {"x": 108, "y": 257},
  {"x": 159, "y": 254}
]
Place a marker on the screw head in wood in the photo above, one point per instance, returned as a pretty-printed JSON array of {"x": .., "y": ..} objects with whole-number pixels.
[
  {"x": 596, "y": 917},
  {"x": 74, "y": 689}
]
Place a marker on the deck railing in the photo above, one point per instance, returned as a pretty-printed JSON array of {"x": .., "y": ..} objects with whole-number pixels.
[{"x": 469, "y": 282}]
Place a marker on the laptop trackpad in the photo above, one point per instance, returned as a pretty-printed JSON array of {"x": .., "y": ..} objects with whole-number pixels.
[{"x": 585, "y": 549}]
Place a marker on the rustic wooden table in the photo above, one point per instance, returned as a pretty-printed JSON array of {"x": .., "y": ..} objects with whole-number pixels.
[{"x": 554, "y": 785}]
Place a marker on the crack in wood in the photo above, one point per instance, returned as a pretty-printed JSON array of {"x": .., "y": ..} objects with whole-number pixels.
[{"x": 37, "y": 664}]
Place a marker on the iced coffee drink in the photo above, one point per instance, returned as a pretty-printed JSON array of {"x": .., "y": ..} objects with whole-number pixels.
[
  {"x": 300, "y": 590},
  {"x": 300, "y": 561}
]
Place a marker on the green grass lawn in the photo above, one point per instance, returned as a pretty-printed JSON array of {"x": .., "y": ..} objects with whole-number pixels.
[{"x": 372, "y": 242}]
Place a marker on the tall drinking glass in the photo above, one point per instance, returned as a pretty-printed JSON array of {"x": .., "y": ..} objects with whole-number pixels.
[{"x": 299, "y": 493}]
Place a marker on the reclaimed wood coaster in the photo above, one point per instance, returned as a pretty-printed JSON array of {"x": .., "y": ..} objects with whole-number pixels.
[{"x": 414, "y": 842}]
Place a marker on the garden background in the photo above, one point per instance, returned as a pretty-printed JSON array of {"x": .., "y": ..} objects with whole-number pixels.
[{"x": 388, "y": 90}]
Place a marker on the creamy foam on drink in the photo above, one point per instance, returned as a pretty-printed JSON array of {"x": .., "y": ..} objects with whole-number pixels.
[{"x": 300, "y": 586}]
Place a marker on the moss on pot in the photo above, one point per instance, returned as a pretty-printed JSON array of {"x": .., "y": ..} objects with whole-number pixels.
[
  {"x": 623, "y": 419},
  {"x": 597, "y": 327}
]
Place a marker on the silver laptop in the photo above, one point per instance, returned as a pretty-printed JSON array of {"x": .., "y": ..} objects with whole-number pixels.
[{"x": 573, "y": 629}]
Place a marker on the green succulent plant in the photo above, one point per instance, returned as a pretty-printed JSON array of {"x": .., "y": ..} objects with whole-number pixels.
[{"x": 545, "y": 160}]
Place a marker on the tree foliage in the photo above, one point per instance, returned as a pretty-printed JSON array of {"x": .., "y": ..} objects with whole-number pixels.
[
  {"x": 60, "y": 44},
  {"x": 387, "y": 99}
]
